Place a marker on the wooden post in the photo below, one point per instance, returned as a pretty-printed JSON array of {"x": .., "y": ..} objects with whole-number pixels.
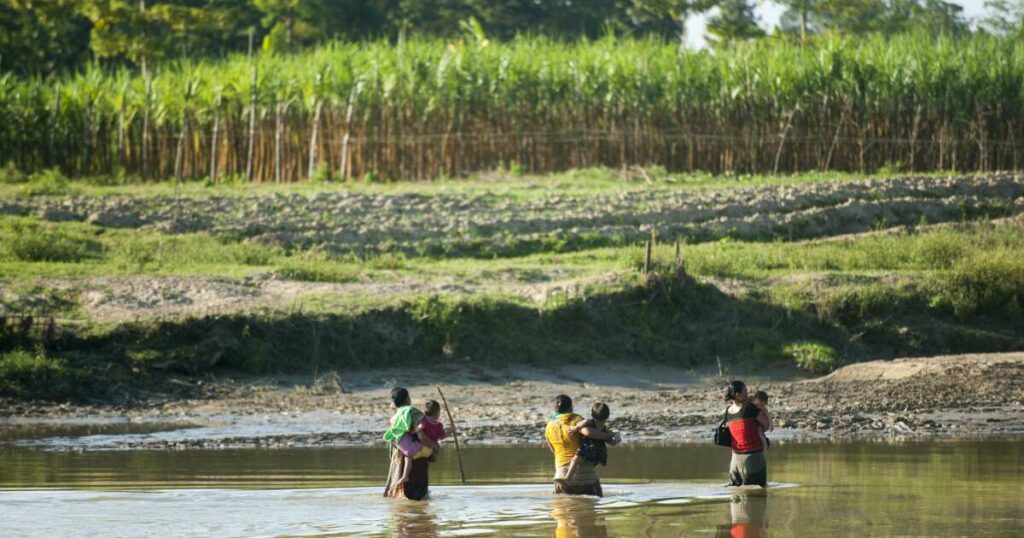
[
  {"x": 455, "y": 433},
  {"x": 679, "y": 258}
]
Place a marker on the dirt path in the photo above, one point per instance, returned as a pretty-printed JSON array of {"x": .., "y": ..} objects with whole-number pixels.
[{"x": 963, "y": 395}]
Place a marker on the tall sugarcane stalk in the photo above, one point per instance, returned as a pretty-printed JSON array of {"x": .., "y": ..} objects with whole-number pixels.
[{"x": 424, "y": 109}]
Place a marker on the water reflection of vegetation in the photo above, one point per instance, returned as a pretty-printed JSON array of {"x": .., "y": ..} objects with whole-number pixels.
[{"x": 919, "y": 488}]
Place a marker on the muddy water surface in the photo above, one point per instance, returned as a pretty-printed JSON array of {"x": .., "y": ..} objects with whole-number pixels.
[{"x": 935, "y": 488}]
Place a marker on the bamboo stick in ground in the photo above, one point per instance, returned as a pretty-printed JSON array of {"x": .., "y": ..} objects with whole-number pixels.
[{"x": 455, "y": 433}]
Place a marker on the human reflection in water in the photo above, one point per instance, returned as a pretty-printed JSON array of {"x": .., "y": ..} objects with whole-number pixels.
[
  {"x": 577, "y": 517},
  {"x": 748, "y": 516},
  {"x": 412, "y": 519}
]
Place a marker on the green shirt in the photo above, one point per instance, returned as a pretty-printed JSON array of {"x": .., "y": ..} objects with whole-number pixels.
[{"x": 402, "y": 422}]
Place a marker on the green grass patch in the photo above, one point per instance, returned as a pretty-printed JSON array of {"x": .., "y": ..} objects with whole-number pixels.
[
  {"x": 317, "y": 267},
  {"x": 905, "y": 252},
  {"x": 814, "y": 357},
  {"x": 49, "y": 183},
  {"x": 32, "y": 374},
  {"x": 989, "y": 285},
  {"x": 29, "y": 240}
]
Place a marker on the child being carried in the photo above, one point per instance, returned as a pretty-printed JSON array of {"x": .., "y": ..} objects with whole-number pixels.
[
  {"x": 761, "y": 401},
  {"x": 411, "y": 447},
  {"x": 591, "y": 450}
]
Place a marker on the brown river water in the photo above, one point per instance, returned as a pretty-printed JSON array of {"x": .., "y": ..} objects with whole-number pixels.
[{"x": 941, "y": 487}]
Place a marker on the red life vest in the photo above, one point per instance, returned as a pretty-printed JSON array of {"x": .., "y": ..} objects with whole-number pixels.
[{"x": 746, "y": 435}]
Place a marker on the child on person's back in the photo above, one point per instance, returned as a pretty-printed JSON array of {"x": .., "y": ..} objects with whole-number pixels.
[
  {"x": 430, "y": 426},
  {"x": 760, "y": 400},
  {"x": 592, "y": 450}
]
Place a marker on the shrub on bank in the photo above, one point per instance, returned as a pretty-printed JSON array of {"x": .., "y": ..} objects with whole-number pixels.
[
  {"x": 32, "y": 374},
  {"x": 814, "y": 357},
  {"x": 989, "y": 285},
  {"x": 28, "y": 241},
  {"x": 49, "y": 182}
]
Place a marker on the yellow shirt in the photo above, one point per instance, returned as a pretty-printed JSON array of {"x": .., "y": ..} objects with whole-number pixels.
[{"x": 563, "y": 443}]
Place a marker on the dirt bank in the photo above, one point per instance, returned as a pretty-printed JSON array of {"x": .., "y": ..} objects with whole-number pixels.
[{"x": 961, "y": 395}]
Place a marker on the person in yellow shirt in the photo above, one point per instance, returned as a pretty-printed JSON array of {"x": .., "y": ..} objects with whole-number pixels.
[{"x": 564, "y": 443}]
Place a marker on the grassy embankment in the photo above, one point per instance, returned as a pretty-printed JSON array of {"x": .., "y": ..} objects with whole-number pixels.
[{"x": 815, "y": 304}]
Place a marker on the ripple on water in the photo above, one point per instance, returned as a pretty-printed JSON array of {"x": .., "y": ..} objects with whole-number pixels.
[{"x": 451, "y": 511}]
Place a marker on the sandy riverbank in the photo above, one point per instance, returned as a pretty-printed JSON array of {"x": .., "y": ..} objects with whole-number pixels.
[{"x": 964, "y": 395}]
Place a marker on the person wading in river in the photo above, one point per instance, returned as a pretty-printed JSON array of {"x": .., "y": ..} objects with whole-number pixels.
[
  {"x": 745, "y": 422},
  {"x": 405, "y": 421},
  {"x": 564, "y": 443}
]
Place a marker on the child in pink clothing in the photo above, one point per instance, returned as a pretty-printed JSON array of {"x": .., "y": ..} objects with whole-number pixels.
[{"x": 431, "y": 427}]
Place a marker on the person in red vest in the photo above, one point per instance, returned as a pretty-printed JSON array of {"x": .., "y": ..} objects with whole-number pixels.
[{"x": 746, "y": 421}]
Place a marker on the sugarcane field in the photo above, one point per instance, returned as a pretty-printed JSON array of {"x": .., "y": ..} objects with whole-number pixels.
[{"x": 367, "y": 268}]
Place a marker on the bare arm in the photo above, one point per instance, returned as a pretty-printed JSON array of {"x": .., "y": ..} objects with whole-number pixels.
[
  {"x": 764, "y": 421},
  {"x": 595, "y": 433},
  {"x": 424, "y": 438}
]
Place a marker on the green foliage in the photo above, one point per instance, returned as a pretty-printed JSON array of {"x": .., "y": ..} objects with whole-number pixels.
[
  {"x": 404, "y": 92},
  {"x": 814, "y": 357},
  {"x": 313, "y": 266},
  {"x": 989, "y": 285},
  {"x": 11, "y": 175},
  {"x": 51, "y": 182},
  {"x": 735, "y": 20},
  {"x": 42, "y": 36},
  {"x": 29, "y": 374},
  {"x": 29, "y": 241},
  {"x": 154, "y": 252},
  {"x": 925, "y": 251},
  {"x": 322, "y": 174},
  {"x": 931, "y": 17},
  {"x": 165, "y": 30}
]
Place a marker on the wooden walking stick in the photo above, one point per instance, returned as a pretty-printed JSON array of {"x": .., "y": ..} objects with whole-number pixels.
[{"x": 455, "y": 433}]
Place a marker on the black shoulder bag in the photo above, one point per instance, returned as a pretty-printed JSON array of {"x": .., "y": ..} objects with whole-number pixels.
[{"x": 723, "y": 437}]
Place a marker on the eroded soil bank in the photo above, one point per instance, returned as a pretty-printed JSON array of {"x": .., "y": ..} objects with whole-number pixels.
[{"x": 963, "y": 395}]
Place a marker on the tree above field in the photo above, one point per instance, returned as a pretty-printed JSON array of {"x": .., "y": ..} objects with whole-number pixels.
[
  {"x": 676, "y": 11},
  {"x": 873, "y": 16},
  {"x": 735, "y": 20},
  {"x": 160, "y": 29},
  {"x": 41, "y": 36},
  {"x": 46, "y": 36},
  {"x": 1007, "y": 17}
]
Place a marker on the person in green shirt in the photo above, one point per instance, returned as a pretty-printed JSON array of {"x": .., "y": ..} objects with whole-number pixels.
[{"x": 404, "y": 421}]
